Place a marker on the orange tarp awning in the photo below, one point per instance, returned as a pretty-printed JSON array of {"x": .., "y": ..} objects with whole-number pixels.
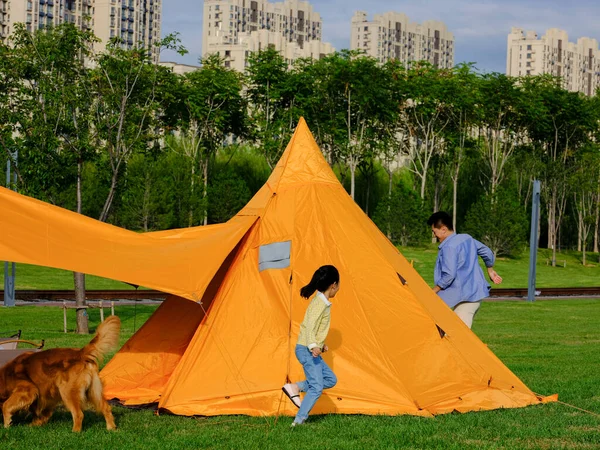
[{"x": 180, "y": 262}]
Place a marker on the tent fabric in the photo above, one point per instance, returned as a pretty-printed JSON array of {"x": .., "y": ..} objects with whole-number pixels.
[
  {"x": 178, "y": 262},
  {"x": 395, "y": 346},
  {"x": 146, "y": 362}
]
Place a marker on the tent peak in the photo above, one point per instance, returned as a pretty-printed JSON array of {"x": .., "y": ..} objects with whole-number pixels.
[{"x": 302, "y": 162}]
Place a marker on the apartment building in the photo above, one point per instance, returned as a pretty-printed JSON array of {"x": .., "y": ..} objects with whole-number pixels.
[
  {"x": 135, "y": 22},
  {"x": 393, "y": 36},
  {"x": 578, "y": 63},
  {"x": 235, "y": 28},
  {"x": 178, "y": 68}
]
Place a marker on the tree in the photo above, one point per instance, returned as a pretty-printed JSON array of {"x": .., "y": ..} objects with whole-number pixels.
[
  {"x": 270, "y": 101},
  {"x": 499, "y": 222},
  {"x": 349, "y": 103},
  {"x": 425, "y": 115},
  {"x": 9, "y": 86},
  {"x": 585, "y": 188},
  {"x": 228, "y": 194},
  {"x": 405, "y": 215},
  {"x": 53, "y": 118},
  {"x": 499, "y": 109},
  {"x": 464, "y": 96},
  {"x": 214, "y": 108},
  {"x": 126, "y": 105},
  {"x": 526, "y": 166},
  {"x": 561, "y": 124},
  {"x": 386, "y": 147}
]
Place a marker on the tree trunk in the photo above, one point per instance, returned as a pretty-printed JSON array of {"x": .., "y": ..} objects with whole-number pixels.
[
  {"x": 455, "y": 196},
  {"x": 205, "y": 194},
  {"x": 579, "y": 230},
  {"x": 352, "y": 179},
  {"x": 423, "y": 184},
  {"x": 596, "y": 223},
  {"x": 146, "y": 204},
  {"x": 367, "y": 197},
  {"x": 110, "y": 197},
  {"x": 389, "y": 207},
  {"x": 79, "y": 278},
  {"x": 82, "y": 316},
  {"x": 436, "y": 206},
  {"x": 549, "y": 244},
  {"x": 191, "y": 212},
  {"x": 552, "y": 226}
]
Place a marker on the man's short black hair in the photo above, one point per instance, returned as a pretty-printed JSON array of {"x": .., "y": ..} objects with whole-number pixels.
[{"x": 440, "y": 219}]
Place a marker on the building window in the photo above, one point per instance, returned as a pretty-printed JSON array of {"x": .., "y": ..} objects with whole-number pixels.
[
  {"x": 529, "y": 47},
  {"x": 528, "y": 55}
]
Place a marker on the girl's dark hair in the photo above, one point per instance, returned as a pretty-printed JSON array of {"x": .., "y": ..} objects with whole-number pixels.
[{"x": 324, "y": 277}]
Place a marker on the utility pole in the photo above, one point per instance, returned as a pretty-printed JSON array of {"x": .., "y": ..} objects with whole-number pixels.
[
  {"x": 9, "y": 268},
  {"x": 533, "y": 239}
]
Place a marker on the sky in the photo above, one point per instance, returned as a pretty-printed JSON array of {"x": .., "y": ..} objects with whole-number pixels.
[{"x": 480, "y": 27}]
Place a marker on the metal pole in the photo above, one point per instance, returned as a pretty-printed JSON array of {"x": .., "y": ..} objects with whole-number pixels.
[
  {"x": 533, "y": 239},
  {"x": 9, "y": 268}
]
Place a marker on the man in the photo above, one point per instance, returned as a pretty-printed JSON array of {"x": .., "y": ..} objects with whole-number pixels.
[{"x": 459, "y": 280}]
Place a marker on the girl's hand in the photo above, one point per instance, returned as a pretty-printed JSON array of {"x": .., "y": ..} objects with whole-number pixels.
[
  {"x": 316, "y": 351},
  {"x": 325, "y": 348}
]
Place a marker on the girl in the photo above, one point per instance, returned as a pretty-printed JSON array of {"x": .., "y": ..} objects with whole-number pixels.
[{"x": 311, "y": 342}]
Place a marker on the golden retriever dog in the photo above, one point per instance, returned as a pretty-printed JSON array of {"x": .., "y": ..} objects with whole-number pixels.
[{"x": 38, "y": 382}]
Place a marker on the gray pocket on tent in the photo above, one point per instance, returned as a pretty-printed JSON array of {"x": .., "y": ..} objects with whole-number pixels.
[{"x": 274, "y": 256}]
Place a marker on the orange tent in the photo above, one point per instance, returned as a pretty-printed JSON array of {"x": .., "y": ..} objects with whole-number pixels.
[{"x": 396, "y": 347}]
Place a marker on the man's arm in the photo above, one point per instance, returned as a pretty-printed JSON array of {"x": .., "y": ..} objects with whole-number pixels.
[
  {"x": 488, "y": 258},
  {"x": 448, "y": 266},
  {"x": 485, "y": 253}
]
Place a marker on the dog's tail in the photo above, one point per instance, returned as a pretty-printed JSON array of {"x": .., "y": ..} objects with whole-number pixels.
[{"x": 106, "y": 339}]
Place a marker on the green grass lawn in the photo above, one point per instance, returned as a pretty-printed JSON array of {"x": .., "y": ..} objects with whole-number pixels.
[
  {"x": 513, "y": 270},
  {"x": 553, "y": 346}
]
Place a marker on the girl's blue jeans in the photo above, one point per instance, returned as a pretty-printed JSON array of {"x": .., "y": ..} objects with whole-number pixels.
[{"x": 318, "y": 377}]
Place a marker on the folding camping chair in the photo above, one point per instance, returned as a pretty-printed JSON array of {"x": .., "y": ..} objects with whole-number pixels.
[
  {"x": 10, "y": 342},
  {"x": 9, "y": 350}
]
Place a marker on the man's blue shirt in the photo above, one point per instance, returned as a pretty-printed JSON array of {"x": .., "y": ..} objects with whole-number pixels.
[{"x": 457, "y": 270}]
